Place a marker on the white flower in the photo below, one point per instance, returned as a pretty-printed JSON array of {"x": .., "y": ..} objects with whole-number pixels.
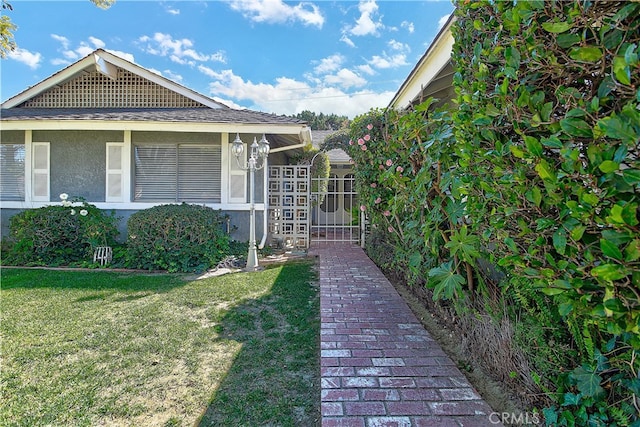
[
  {"x": 64, "y": 196},
  {"x": 83, "y": 212},
  {"x": 66, "y": 203},
  {"x": 73, "y": 211}
]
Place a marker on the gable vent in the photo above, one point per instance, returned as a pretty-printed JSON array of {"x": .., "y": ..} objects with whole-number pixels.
[{"x": 96, "y": 90}]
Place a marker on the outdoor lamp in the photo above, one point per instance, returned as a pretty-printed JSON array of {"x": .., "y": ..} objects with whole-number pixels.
[{"x": 258, "y": 151}]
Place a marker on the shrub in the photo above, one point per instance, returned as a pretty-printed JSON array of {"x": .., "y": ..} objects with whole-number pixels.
[
  {"x": 59, "y": 235},
  {"x": 176, "y": 238}
]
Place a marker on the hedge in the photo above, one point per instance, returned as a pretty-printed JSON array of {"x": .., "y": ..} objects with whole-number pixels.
[{"x": 525, "y": 196}]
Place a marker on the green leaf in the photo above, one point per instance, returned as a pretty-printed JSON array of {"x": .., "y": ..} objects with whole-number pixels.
[
  {"x": 567, "y": 40},
  {"x": 447, "y": 283},
  {"x": 608, "y": 166},
  {"x": 632, "y": 251},
  {"x": 556, "y": 27},
  {"x": 615, "y": 127},
  {"x": 544, "y": 223},
  {"x": 610, "y": 249},
  {"x": 545, "y": 171},
  {"x": 576, "y": 127},
  {"x": 571, "y": 399},
  {"x": 516, "y": 151},
  {"x": 577, "y": 232},
  {"x": 552, "y": 142},
  {"x": 621, "y": 70},
  {"x": 610, "y": 272},
  {"x": 560, "y": 240},
  {"x": 629, "y": 214},
  {"x": 631, "y": 176},
  {"x": 588, "y": 382},
  {"x": 533, "y": 145},
  {"x": 586, "y": 54}
]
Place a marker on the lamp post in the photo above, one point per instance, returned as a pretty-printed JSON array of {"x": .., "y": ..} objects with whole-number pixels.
[{"x": 259, "y": 151}]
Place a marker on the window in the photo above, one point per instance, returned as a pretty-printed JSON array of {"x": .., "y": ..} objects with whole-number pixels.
[
  {"x": 177, "y": 173},
  {"x": 12, "y": 172}
]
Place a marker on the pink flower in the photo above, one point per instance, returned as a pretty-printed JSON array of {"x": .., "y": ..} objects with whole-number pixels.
[
  {"x": 378, "y": 200},
  {"x": 399, "y": 169},
  {"x": 367, "y": 137},
  {"x": 363, "y": 208},
  {"x": 389, "y": 162},
  {"x": 381, "y": 167},
  {"x": 386, "y": 213},
  {"x": 374, "y": 185},
  {"x": 364, "y": 148},
  {"x": 352, "y": 162},
  {"x": 391, "y": 230},
  {"x": 360, "y": 141},
  {"x": 350, "y": 142},
  {"x": 369, "y": 126}
]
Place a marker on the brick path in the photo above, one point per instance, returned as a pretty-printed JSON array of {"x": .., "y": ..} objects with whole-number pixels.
[{"x": 379, "y": 366}]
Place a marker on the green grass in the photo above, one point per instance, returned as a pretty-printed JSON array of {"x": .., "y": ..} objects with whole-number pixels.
[{"x": 85, "y": 348}]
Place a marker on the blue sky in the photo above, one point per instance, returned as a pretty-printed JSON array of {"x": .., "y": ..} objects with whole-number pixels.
[{"x": 334, "y": 57}]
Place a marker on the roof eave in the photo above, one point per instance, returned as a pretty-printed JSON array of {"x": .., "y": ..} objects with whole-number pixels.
[{"x": 422, "y": 74}]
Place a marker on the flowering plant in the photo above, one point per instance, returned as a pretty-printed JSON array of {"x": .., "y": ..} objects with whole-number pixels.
[{"x": 61, "y": 234}]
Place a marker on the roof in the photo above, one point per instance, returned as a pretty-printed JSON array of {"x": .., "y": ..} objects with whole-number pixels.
[
  {"x": 336, "y": 155},
  {"x": 106, "y": 63},
  {"x": 195, "y": 115},
  {"x": 432, "y": 76}
]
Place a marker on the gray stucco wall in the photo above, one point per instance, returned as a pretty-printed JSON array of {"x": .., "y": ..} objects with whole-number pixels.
[
  {"x": 78, "y": 162},
  {"x": 12, "y": 137}
]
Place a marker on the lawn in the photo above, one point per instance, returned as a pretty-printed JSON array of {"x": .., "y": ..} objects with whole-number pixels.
[{"x": 86, "y": 348}]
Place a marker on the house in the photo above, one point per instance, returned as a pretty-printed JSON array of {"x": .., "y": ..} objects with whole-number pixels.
[
  {"x": 432, "y": 76},
  {"x": 125, "y": 139}
]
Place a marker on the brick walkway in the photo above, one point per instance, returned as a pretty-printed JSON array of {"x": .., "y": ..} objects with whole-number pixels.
[{"x": 379, "y": 366}]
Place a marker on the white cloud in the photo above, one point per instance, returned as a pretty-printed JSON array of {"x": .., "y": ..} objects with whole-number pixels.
[
  {"x": 177, "y": 50},
  {"x": 61, "y": 39},
  {"x": 366, "y": 68},
  {"x": 443, "y": 20},
  {"x": 172, "y": 11},
  {"x": 396, "y": 45},
  {"x": 329, "y": 64},
  {"x": 30, "y": 59},
  {"x": 124, "y": 55},
  {"x": 277, "y": 11},
  {"x": 365, "y": 24},
  {"x": 70, "y": 55},
  {"x": 345, "y": 78},
  {"x": 97, "y": 43},
  {"x": 385, "y": 61},
  {"x": 409, "y": 26},
  {"x": 290, "y": 96},
  {"x": 347, "y": 40}
]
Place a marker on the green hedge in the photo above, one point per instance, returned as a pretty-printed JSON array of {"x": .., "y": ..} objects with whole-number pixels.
[
  {"x": 526, "y": 195},
  {"x": 57, "y": 235},
  {"x": 177, "y": 238}
]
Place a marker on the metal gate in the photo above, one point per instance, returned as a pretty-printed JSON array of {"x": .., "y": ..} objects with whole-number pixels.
[
  {"x": 335, "y": 215},
  {"x": 304, "y": 209}
]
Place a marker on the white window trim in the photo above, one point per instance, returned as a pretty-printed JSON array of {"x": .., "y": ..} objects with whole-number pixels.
[
  {"x": 120, "y": 171},
  {"x": 236, "y": 171},
  {"x": 30, "y": 154}
]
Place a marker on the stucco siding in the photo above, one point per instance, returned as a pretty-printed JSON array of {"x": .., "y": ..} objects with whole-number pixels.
[{"x": 78, "y": 160}]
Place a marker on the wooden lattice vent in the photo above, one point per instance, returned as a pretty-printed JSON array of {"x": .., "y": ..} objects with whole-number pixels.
[{"x": 95, "y": 90}]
